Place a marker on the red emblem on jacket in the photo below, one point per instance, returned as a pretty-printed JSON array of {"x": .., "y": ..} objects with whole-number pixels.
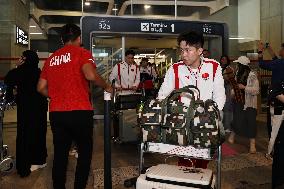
[{"x": 205, "y": 76}]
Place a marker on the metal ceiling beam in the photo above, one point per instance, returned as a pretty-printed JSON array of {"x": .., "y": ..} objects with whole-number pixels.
[
  {"x": 194, "y": 16},
  {"x": 110, "y": 4},
  {"x": 40, "y": 12},
  {"x": 214, "y": 6},
  {"x": 50, "y": 25}
]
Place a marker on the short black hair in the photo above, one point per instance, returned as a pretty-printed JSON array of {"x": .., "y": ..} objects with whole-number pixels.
[
  {"x": 191, "y": 38},
  {"x": 128, "y": 52},
  {"x": 70, "y": 32}
]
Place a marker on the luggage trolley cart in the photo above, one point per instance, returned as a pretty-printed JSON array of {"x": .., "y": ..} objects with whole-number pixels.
[
  {"x": 182, "y": 151},
  {"x": 125, "y": 109},
  {"x": 177, "y": 177},
  {"x": 6, "y": 162}
]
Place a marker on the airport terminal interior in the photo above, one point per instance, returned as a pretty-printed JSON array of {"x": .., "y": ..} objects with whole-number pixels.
[{"x": 150, "y": 28}]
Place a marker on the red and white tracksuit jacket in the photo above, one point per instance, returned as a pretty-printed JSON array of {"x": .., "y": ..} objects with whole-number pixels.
[
  {"x": 148, "y": 84},
  {"x": 125, "y": 76},
  {"x": 207, "y": 78}
]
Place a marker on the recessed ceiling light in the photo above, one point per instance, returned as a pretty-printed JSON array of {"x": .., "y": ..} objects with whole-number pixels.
[
  {"x": 36, "y": 33},
  {"x": 32, "y": 26},
  {"x": 105, "y": 36},
  {"x": 147, "y": 6},
  {"x": 87, "y": 3}
]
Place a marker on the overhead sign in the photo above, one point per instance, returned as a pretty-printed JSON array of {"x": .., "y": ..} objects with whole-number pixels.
[
  {"x": 122, "y": 25},
  {"x": 21, "y": 36},
  {"x": 127, "y": 25}
]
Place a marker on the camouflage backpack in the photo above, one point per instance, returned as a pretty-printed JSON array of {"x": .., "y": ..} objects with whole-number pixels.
[
  {"x": 177, "y": 118},
  {"x": 150, "y": 120},
  {"x": 206, "y": 127},
  {"x": 167, "y": 120}
]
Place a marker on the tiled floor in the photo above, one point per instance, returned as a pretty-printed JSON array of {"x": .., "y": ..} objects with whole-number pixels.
[{"x": 125, "y": 155}]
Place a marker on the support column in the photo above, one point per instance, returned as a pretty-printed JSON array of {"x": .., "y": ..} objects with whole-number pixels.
[{"x": 13, "y": 12}]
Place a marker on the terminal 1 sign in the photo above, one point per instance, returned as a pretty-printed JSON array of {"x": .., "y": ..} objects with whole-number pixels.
[{"x": 130, "y": 25}]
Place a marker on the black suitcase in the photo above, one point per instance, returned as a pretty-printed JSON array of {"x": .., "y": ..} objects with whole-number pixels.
[{"x": 127, "y": 101}]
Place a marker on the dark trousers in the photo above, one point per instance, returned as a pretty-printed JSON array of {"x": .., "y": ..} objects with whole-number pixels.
[
  {"x": 244, "y": 121},
  {"x": 31, "y": 139},
  {"x": 66, "y": 127}
]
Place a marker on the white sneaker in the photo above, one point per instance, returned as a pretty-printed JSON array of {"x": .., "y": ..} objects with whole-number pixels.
[{"x": 36, "y": 167}]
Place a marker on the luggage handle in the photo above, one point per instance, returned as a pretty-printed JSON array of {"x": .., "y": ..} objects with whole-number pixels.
[
  {"x": 186, "y": 89},
  {"x": 167, "y": 157}
]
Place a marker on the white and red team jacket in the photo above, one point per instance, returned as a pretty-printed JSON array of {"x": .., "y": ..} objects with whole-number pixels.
[
  {"x": 125, "y": 76},
  {"x": 207, "y": 78}
]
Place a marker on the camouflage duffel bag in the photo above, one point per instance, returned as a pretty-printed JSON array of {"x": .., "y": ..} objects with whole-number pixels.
[
  {"x": 207, "y": 129},
  {"x": 177, "y": 118},
  {"x": 150, "y": 120}
]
